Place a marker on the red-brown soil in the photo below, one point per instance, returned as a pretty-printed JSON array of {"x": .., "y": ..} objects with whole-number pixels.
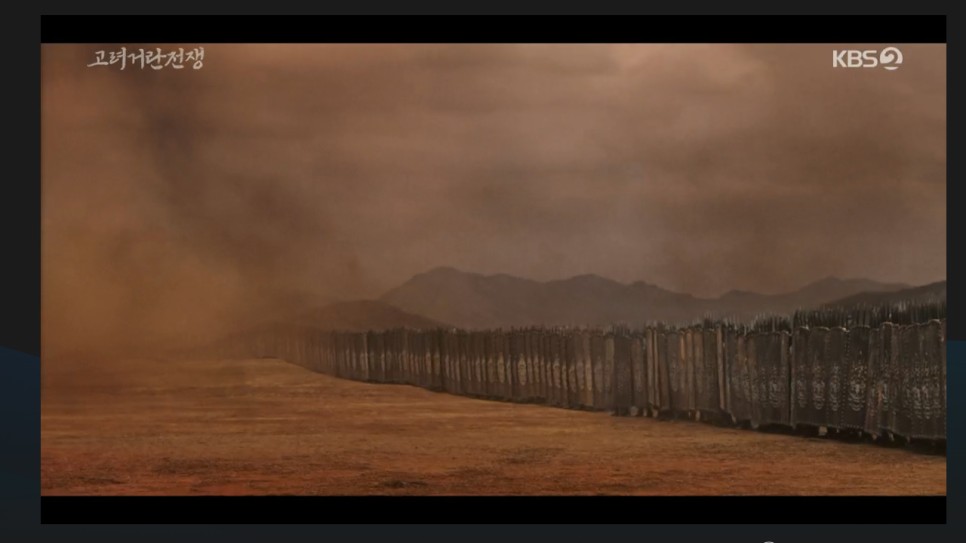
[{"x": 165, "y": 427}]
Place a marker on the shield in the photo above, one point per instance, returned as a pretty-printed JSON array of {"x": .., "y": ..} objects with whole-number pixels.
[
  {"x": 597, "y": 361},
  {"x": 398, "y": 357},
  {"x": 371, "y": 355},
  {"x": 523, "y": 367},
  {"x": 402, "y": 370},
  {"x": 834, "y": 360},
  {"x": 530, "y": 354},
  {"x": 751, "y": 378},
  {"x": 553, "y": 368},
  {"x": 929, "y": 421},
  {"x": 420, "y": 358},
  {"x": 908, "y": 398},
  {"x": 350, "y": 355},
  {"x": 556, "y": 371},
  {"x": 483, "y": 364},
  {"x": 873, "y": 401},
  {"x": 337, "y": 355},
  {"x": 653, "y": 390},
  {"x": 514, "y": 365},
  {"x": 729, "y": 353},
  {"x": 608, "y": 371},
  {"x": 546, "y": 357},
  {"x": 445, "y": 358},
  {"x": 688, "y": 360},
  {"x": 942, "y": 379},
  {"x": 623, "y": 380},
  {"x": 372, "y": 345},
  {"x": 517, "y": 365},
  {"x": 468, "y": 362},
  {"x": 362, "y": 348},
  {"x": 854, "y": 397},
  {"x": 580, "y": 368},
  {"x": 409, "y": 358},
  {"x": 812, "y": 376},
  {"x": 706, "y": 371},
  {"x": 561, "y": 368},
  {"x": 388, "y": 349},
  {"x": 662, "y": 344},
  {"x": 439, "y": 370},
  {"x": 639, "y": 372},
  {"x": 466, "y": 350},
  {"x": 457, "y": 375},
  {"x": 536, "y": 366},
  {"x": 566, "y": 369},
  {"x": 454, "y": 362},
  {"x": 427, "y": 347},
  {"x": 573, "y": 390},
  {"x": 741, "y": 380},
  {"x": 539, "y": 382},
  {"x": 477, "y": 364},
  {"x": 417, "y": 357},
  {"x": 459, "y": 356},
  {"x": 492, "y": 381},
  {"x": 536, "y": 371},
  {"x": 799, "y": 375},
  {"x": 677, "y": 373},
  {"x": 772, "y": 371},
  {"x": 507, "y": 363},
  {"x": 888, "y": 378},
  {"x": 588, "y": 388},
  {"x": 340, "y": 354},
  {"x": 488, "y": 382},
  {"x": 562, "y": 379}
]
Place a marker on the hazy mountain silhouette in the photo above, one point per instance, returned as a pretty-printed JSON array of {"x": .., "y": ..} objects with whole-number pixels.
[
  {"x": 473, "y": 300},
  {"x": 361, "y": 315},
  {"x": 931, "y": 293},
  {"x": 747, "y": 304}
]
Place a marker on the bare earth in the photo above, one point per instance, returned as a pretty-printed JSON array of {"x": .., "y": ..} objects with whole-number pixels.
[{"x": 231, "y": 427}]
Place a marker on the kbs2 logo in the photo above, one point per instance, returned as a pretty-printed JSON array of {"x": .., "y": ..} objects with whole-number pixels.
[{"x": 889, "y": 58}]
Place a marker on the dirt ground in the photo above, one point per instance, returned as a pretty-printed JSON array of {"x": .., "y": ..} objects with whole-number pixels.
[{"x": 228, "y": 427}]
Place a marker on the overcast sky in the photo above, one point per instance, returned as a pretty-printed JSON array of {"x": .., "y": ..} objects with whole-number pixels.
[{"x": 346, "y": 169}]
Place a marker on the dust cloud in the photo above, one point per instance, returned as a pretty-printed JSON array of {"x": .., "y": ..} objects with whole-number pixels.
[{"x": 177, "y": 205}]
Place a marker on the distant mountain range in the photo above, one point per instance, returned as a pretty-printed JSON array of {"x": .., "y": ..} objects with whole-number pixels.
[
  {"x": 926, "y": 294},
  {"x": 445, "y": 297},
  {"x": 472, "y": 300},
  {"x": 362, "y": 315}
]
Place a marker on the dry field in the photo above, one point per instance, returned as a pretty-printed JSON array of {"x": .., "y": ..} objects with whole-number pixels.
[{"x": 226, "y": 427}]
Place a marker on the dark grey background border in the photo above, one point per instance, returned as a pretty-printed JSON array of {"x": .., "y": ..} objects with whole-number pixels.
[{"x": 19, "y": 372}]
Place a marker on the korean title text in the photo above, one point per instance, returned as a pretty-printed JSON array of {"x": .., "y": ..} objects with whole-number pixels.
[{"x": 155, "y": 59}]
